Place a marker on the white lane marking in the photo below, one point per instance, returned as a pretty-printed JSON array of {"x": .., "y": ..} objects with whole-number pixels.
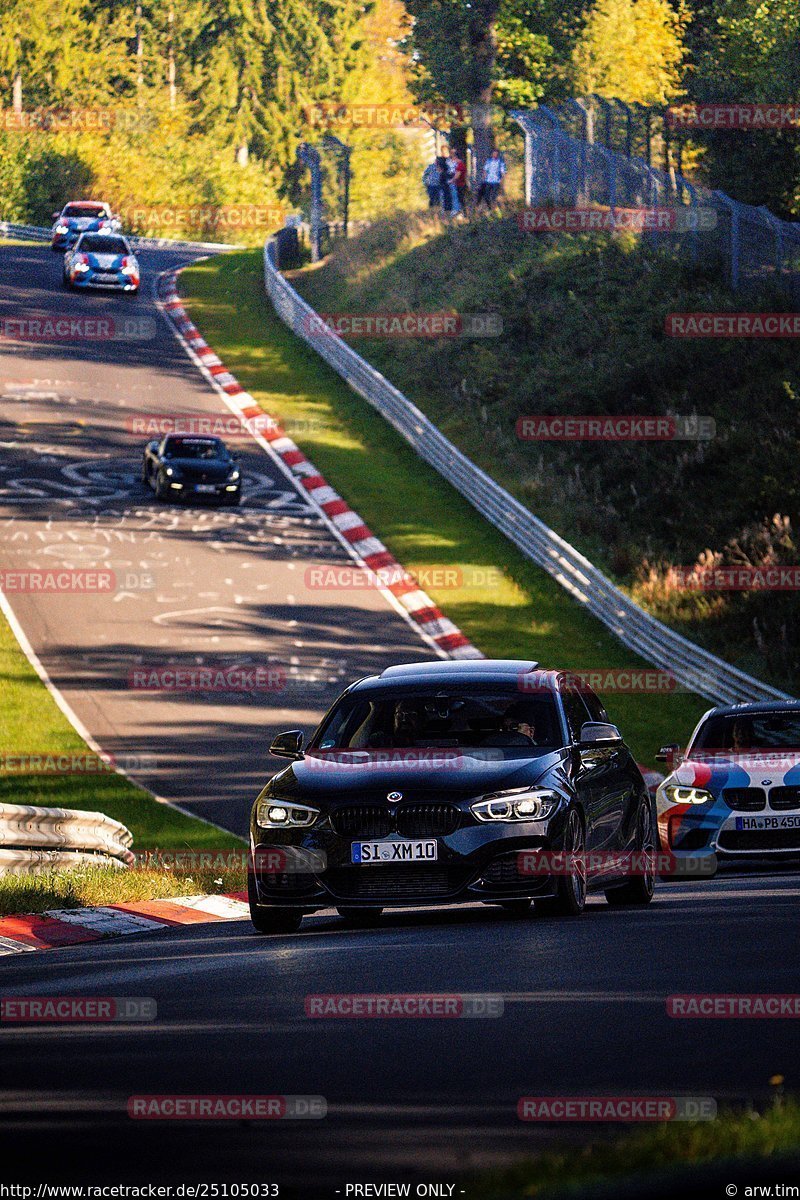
[
  {"x": 105, "y": 920},
  {"x": 9, "y": 946},
  {"x": 218, "y": 906}
]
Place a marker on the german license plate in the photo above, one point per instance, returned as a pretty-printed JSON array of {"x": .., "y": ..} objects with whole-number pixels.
[
  {"x": 205, "y": 487},
  {"x": 394, "y": 852},
  {"x": 762, "y": 822}
]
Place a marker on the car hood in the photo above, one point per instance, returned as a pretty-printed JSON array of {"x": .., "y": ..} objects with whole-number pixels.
[
  {"x": 105, "y": 262},
  {"x": 765, "y": 769},
  {"x": 204, "y": 471},
  {"x": 438, "y": 774}
]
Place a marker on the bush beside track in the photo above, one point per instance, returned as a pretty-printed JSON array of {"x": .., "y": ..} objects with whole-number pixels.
[
  {"x": 518, "y": 611},
  {"x": 583, "y": 333}
]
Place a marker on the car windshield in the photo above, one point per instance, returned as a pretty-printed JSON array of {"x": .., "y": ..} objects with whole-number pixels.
[
  {"x": 183, "y": 447},
  {"x": 423, "y": 720},
  {"x": 748, "y": 732},
  {"x": 84, "y": 210},
  {"x": 96, "y": 243}
]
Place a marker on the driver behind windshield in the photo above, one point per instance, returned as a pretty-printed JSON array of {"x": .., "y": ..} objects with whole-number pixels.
[{"x": 517, "y": 728}]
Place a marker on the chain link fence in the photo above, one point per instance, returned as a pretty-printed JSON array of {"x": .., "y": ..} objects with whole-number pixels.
[{"x": 596, "y": 151}]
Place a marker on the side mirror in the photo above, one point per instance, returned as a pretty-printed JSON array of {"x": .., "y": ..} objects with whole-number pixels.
[
  {"x": 152, "y": 446},
  {"x": 288, "y": 745},
  {"x": 668, "y": 753},
  {"x": 599, "y": 735},
  {"x": 56, "y": 216}
]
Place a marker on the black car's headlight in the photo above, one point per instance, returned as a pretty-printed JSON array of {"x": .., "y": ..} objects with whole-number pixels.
[
  {"x": 173, "y": 472},
  {"x": 681, "y": 794},
  {"x": 234, "y": 475},
  {"x": 283, "y": 814},
  {"x": 519, "y": 804}
]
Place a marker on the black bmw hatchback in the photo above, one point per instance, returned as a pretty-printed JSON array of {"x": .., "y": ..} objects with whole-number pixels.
[{"x": 452, "y": 782}]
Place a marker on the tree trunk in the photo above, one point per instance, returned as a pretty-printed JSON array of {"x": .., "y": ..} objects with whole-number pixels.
[
  {"x": 483, "y": 45},
  {"x": 139, "y": 55},
  {"x": 243, "y": 154},
  {"x": 16, "y": 101},
  {"x": 173, "y": 91}
]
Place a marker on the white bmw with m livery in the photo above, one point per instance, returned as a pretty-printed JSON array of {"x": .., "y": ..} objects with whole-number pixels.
[{"x": 736, "y": 790}]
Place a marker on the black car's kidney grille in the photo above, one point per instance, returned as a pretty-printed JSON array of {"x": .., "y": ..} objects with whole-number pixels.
[
  {"x": 387, "y": 883},
  {"x": 783, "y": 798},
  {"x": 365, "y": 821},
  {"x": 410, "y": 820},
  {"x": 427, "y": 820},
  {"x": 745, "y": 799},
  {"x": 759, "y": 839}
]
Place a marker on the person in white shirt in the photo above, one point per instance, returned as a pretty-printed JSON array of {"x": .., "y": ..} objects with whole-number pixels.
[{"x": 493, "y": 171}]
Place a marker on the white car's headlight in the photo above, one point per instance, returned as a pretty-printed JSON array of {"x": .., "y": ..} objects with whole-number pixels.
[
  {"x": 519, "y": 804},
  {"x": 62, "y": 228},
  {"x": 681, "y": 794},
  {"x": 283, "y": 814}
]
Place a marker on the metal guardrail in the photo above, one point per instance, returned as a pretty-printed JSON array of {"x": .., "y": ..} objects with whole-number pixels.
[
  {"x": 692, "y": 667},
  {"x": 40, "y": 838},
  {"x": 38, "y": 233}
]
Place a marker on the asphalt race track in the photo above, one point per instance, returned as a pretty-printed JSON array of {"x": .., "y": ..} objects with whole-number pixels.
[
  {"x": 431, "y": 1100},
  {"x": 195, "y": 585},
  {"x": 425, "y": 1099}
]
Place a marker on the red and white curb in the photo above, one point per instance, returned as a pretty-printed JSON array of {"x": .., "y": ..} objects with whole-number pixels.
[
  {"x": 74, "y": 926},
  {"x": 399, "y": 587}
]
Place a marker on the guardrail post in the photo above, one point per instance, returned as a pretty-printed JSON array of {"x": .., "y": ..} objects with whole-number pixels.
[
  {"x": 608, "y": 110},
  {"x": 310, "y": 158},
  {"x": 732, "y": 208},
  {"x": 343, "y": 153}
]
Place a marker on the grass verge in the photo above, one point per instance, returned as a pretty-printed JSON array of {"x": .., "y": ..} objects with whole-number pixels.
[
  {"x": 507, "y": 606},
  {"x": 80, "y": 887},
  {"x": 32, "y": 724},
  {"x": 733, "y": 1142}
]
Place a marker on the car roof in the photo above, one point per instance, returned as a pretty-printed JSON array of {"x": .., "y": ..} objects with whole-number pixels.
[
  {"x": 745, "y": 710},
  {"x": 99, "y": 203},
  {"x": 499, "y": 671}
]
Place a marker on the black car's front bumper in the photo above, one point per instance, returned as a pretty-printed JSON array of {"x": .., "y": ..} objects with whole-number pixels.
[{"x": 481, "y": 861}]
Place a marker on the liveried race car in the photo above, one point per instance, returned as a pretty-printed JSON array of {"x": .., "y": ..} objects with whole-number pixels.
[
  {"x": 736, "y": 791},
  {"x": 102, "y": 260},
  {"x": 81, "y": 216}
]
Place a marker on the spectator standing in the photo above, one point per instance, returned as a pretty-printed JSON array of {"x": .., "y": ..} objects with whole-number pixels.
[
  {"x": 430, "y": 177},
  {"x": 459, "y": 181},
  {"x": 493, "y": 171},
  {"x": 443, "y": 166}
]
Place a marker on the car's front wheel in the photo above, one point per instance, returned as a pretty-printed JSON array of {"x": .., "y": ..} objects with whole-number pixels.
[
  {"x": 271, "y": 920},
  {"x": 638, "y": 891},
  {"x": 162, "y": 488},
  {"x": 570, "y": 897}
]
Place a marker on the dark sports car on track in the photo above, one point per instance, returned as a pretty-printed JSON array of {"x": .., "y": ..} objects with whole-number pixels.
[
  {"x": 180, "y": 467},
  {"x": 449, "y": 782}
]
